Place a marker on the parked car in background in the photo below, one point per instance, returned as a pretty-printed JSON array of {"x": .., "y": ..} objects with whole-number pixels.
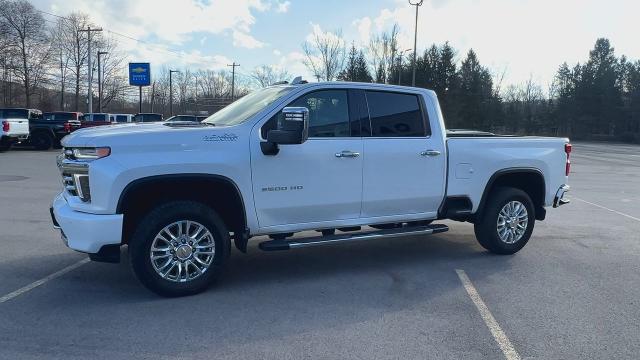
[
  {"x": 121, "y": 118},
  {"x": 47, "y": 131},
  {"x": 95, "y": 119},
  {"x": 15, "y": 125},
  {"x": 147, "y": 117}
]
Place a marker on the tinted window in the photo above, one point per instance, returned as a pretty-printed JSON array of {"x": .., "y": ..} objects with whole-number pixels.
[
  {"x": 394, "y": 114},
  {"x": 328, "y": 113},
  {"x": 63, "y": 116},
  {"x": 15, "y": 113},
  {"x": 99, "y": 117},
  {"x": 121, "y": 118}
]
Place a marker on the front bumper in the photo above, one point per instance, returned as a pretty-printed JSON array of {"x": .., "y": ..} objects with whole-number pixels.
[
  {"x": 559, "y": 199},
  {"x": 85, "y": 232}
]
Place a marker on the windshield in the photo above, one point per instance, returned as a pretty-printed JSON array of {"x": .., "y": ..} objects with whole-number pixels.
[{"x": 247, "y": 106}]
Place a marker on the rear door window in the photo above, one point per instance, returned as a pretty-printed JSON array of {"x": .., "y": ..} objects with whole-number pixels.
[
  {"x": 15, "y": 113},
  {"x": 396, "y": 115}
]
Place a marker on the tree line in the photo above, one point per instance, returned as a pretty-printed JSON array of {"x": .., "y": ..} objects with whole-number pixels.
[
  {"x": 598, "y": 99},
  {"x": 44, "y": 64}
]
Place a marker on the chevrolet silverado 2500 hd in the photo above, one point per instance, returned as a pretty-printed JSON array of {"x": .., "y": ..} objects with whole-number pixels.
[{"x": 331, "y": 157}]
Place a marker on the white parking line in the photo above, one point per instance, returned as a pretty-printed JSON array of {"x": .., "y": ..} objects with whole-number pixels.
[
  {"x": 501, "y": 338},
  {"x": 606, "y": 208},
  {"x": 35, "y": 284}
]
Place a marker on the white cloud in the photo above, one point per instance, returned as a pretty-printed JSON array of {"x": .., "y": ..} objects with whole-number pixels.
[
  {"x": 283, "y": 7},
  {"x": 241, "y": 39},
  {"x": 169, "y": 21},
  {"x": 277, "y": 52},
  {"x": 293, "y": 62},
  {"x": 364, "y": 29},
  {"x": 526, "y": 37}
]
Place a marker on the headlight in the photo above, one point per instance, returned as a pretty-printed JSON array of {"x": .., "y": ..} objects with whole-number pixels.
[{"x": 90, "y": 153}]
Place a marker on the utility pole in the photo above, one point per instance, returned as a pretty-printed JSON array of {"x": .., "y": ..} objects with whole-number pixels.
[
  {"x": 90, "y": 75},
  {"x": 171, "y": 91},
  {"x": 196, "y": 95},
  {"x": 100, "y": 80},
  {"x": 233, "y": 80},
  {"x": 153, "y": 94},
  {"x": 417, "y": 4},
  {"x": 318, "y": 76}
]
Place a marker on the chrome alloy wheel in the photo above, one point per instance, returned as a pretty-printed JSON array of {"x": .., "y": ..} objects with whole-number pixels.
[
  {"x": 182, "y": 251},
  {"x": 513, "y": 220}
]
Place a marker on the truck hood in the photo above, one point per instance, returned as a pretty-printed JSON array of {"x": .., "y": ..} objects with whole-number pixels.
[{"x": 144, "y": 135}]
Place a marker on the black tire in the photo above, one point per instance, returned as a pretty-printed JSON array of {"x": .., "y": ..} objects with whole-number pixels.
[
  {"x": 57, "y": 144},
  {"x": 486, "y": 227},
  {"x": 4, "y": 146},
  {"x": 153, "y": 223},
  {"x": 41, "y": 141}
]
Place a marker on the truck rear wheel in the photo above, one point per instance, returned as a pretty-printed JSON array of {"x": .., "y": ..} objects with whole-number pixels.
[
  {"x": 507, "y": 221},
  {"x": 179, "y": 248}
]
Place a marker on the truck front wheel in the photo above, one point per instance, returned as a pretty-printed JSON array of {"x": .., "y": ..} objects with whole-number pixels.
[
  {"x": 506, "y": 223},
  {"x": 179, "y": 248}
]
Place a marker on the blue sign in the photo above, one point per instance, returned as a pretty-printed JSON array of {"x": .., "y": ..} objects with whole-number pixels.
[{"x": 139, "y": 74}]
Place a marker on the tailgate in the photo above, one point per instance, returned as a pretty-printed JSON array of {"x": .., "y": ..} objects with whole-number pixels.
[{"x": 18, "y": 127}]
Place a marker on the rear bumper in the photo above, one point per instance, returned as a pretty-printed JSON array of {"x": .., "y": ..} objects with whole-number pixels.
[
  {"x": 85, "y": 232},
  {"x": 559, "y": 199}
]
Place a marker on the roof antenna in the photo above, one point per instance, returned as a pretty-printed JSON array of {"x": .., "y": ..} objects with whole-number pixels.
[{"x": 298, "y": 80}]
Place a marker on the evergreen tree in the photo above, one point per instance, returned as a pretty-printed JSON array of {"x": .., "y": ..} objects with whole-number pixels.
[
  {"x": 356, "y": 69},
  {"x": 474, "y": 96}
]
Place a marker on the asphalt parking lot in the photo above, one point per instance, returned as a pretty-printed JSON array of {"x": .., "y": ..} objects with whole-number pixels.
[{"x": 572, "y": 293}]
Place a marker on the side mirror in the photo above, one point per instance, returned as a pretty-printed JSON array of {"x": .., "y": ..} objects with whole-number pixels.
[{"x": 293, "y": 129}]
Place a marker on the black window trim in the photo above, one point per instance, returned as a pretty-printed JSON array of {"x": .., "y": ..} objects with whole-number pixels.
[{"x": 423, "y": 110}]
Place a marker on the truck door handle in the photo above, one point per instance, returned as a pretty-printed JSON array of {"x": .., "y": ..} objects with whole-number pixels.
[
  {"x": 430, "y": 153},
  {"x": 347, "y": 154}
]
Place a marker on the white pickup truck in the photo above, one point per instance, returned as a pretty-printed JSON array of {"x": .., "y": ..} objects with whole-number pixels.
[
  {"x": 353, "y": 161},
  {"x": 14, "y": 125}
]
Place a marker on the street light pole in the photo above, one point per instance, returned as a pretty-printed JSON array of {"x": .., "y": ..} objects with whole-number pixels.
[
  {"x": 100, "y": 79},
  {"x": 233, "y": 80},
  {"x": 417, "y": 4},
  {"x": 171, "y": 91},
  {"x": 400, "y": 65}
]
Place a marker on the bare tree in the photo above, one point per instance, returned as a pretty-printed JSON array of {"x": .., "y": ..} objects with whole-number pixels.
[
  {"x": 59, "y": 54},
  {"x": 266, "y": 75},
  {"x": 75, "y": 47},
  {"x": 27, "y": 42},
  {"x": 384, "y": 52},
  {"x": 114, "y": 83},
  {"x": 325, "y": 54}
]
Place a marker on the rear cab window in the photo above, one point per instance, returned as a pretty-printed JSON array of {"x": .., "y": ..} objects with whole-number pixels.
[
  {"x": 394, "y": 114},
  {"x": 14, "y": 113}
]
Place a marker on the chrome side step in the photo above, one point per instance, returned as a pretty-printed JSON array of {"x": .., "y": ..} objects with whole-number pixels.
[{"x": 275, "y": 245}]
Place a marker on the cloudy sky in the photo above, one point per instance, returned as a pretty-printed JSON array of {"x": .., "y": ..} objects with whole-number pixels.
[{"x": 527, "y": 38}]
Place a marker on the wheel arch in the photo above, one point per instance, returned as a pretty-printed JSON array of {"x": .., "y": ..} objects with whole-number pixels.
[
  {"x": 219, "y": 192},
  {"x": 529, "y": 180}
]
